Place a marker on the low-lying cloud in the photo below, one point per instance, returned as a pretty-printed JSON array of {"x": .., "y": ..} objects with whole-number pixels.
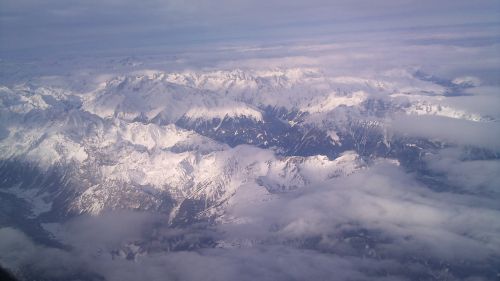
[
  {"x": 451, "y": 130},
  {"x": 378, "y": 223}
]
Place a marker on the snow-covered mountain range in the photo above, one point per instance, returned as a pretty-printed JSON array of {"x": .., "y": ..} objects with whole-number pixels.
[
  {"x": 201, "y": 146},
  {"x": 153, "y": 141}
]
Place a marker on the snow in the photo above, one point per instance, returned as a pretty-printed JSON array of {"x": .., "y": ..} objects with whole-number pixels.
[
  {"x": 334, "y": 137},
  {"x": 235, "y": 111},
  {"x": 152, "y": 136},
  {"x": 425, "y": 108},
  {"x": 46, "y": 150},
  {"x": 122, "y": 132},
  {"x": 467, "y": 81},
  {"x": 333, "y": 101}
]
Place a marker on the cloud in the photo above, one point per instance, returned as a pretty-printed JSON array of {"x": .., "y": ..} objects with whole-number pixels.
[
  {"x": 482, "y": 100},
  {"x": 27, "y": 259},
  {"x": 55, "y": 25},
  {"x": 382, "y": 197},
  {"x": 378, "y": 223},
  {"x": 450, "y": 130},
  {"x": 467, "y": 170},
  {"x": 379, "y": 213}
]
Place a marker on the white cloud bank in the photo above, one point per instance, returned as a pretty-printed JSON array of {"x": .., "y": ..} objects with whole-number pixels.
[{"x": 378, "y": 223}]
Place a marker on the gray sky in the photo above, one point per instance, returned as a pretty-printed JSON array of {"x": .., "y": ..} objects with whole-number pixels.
[{"x": 31, "y": 27}]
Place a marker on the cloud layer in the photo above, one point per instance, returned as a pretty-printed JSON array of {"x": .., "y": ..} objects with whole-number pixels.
[
  {"x": 54, "y": 26},
  {"x": 378, "y": 223}
]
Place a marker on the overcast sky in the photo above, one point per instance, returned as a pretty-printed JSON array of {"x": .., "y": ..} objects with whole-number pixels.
[{"x": 30, "y": 27}]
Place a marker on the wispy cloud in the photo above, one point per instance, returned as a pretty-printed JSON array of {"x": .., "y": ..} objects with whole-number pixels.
[{"x": 53, "y": 26}]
